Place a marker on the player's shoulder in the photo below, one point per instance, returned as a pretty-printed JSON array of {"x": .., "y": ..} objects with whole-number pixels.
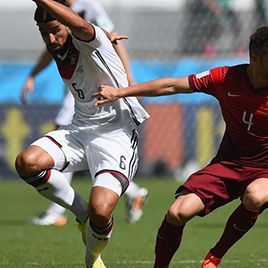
[
  {"x": 236, "y": 72},
  {"x": 229, "y": 72},
  {"x": 238, "y": 68}
]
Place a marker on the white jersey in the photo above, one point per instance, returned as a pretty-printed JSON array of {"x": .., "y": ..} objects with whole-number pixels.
[
  {"x": 92, "y": 11},
  {"x": 89, "y": 65}
]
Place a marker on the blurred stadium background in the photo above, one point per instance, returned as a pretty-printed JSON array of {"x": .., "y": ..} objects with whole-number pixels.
[{"x": 167, "y": 38}]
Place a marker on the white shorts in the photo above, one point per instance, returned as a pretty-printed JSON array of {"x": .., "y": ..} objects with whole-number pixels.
[
  {"x": 66, "y": 112},
  {"x": 75, "y": 149}
]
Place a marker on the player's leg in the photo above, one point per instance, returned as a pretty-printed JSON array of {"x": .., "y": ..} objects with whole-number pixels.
[
  {"x": 135, "y": 198},
  {"x": 242, "y": 219},
  {"x": 101, "y": 205},
  {"x": 203, "y": 191},
  {"x": 54, "y": 214},
  {"x": 39, "y": 166},
  {"x": 113, "y": 163},
  {"x": 238, "y": 224},
  {"x": 185, "y": 207}
]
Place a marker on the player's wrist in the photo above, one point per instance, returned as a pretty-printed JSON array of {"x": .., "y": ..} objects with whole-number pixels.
[
  {"x": 31, "y": 76},
  {"x": 121, "y": 92}
]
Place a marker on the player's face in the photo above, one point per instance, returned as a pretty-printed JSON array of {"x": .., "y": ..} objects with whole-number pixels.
[{"x": 54, "y": 35}]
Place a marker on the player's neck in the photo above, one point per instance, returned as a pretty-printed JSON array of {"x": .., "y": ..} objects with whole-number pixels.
[{"x": 256, "y": 80}]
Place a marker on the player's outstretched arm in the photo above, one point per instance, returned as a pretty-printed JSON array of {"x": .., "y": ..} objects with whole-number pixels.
[
  {"x": 158, "y": 87},
  {"x": 78, "y": 26},
  {"x": 123, "y": 55},
  {"x": 28, "y": 86},
  {"x": 121, "y": 51}
]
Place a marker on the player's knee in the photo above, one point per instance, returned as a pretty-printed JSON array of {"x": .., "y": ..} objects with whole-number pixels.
[
  {"x": 254, "y": 197},
  {"x": 27, "y": 164},
  {"x": 186, "y": 206},
  {"x": 179, "y": 214},
  {"x": 172, "y": 216},
  {"x": 100, "y": 214}
]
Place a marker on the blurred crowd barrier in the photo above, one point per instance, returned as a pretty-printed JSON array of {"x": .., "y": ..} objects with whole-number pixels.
[
  {"x": 166, "y": 39},
  {"x": 181, "y": 128},
  {"x": 157, "y": 29}
]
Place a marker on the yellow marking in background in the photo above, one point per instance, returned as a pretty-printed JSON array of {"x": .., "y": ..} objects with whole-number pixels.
[
  {"x": 46, "y": 127},
  {"x": 204, "y": 135},
  {"x": 14, "y": 130}
]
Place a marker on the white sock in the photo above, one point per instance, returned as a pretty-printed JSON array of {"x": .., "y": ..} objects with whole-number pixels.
[
  {"x": 58, "y": 190},
  {"x": 68, "y": 176},
  {"x": 97, "y": 240},
  {"x": 132, "y": 191},
  {"x": 54, "y": 207}
]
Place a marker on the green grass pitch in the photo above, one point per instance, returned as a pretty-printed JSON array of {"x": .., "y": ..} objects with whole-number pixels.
[{"x": 132, "y": 246}]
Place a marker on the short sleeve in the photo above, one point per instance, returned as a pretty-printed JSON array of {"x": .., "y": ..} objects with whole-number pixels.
[
  {"x": 99, "y": 40},
  {"x": 209, "y": 81}
]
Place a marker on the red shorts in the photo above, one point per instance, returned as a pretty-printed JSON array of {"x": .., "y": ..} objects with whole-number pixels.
[{"x": 221, "y": 182}]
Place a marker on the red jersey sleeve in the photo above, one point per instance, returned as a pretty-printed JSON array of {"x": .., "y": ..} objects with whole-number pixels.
[{"x": 209, "y": 81}]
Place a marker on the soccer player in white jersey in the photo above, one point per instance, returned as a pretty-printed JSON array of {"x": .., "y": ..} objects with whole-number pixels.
[
  {"x": 102, "y": 140},
  {"x": 90, "y": 10}
]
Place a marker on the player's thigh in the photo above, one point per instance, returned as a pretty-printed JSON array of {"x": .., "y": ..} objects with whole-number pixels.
[
  {"x": 216, "y": 185},
  {"x": 115, "y": 154},
  {"x": 64, "y": 147},
  {"x": 256, "y": 194}
]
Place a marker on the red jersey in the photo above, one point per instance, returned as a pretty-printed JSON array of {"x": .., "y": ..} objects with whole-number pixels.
[{"x": 245, "y": 112}]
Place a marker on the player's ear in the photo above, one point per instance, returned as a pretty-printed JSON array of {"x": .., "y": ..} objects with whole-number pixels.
[{"x": 253, "y": 57}]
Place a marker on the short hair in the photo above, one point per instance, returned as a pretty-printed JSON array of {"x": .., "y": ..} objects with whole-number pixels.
[
  {"x": 259, "y": 41},
  {"x": 41, "y": 15}
]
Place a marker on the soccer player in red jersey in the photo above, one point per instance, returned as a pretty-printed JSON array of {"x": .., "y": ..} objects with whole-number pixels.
[{"x": 240, "y": 167}]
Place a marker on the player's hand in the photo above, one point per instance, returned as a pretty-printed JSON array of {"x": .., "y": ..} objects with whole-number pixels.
[
  {"x": 105, "y": 94},
  {"x": 27, "y": 88},
  {"x": 116, "y": 37}
]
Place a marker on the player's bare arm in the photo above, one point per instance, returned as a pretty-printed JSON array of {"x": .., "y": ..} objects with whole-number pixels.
[
  {"x": 121, "y": 51},
  {"x": 123, "y": 55},
  {"x": 78, "y": 26},
  {"x": 28, "y": 86},
  {"x": 159, "y": 87}
]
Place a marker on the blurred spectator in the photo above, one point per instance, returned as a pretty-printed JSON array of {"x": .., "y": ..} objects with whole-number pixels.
[
  {"x": 262, "y": 11},
  {"x": 244, "y": 23},
  {"x": 265, "y": 10},
  {"x": 204, "y": 25},
  {"x": 218, "y": 26},
  {"x": 221, "y": 12}
]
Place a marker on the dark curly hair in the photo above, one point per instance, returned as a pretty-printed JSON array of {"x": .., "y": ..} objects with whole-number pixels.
[
  {"x": 259, "y": 41},
  {"x": 41, "y": 15}
]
